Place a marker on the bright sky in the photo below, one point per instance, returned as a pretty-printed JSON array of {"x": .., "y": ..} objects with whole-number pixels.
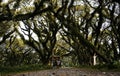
[
  {"x": 26, "y": 37},
  {"x": 4, "y": 1}
]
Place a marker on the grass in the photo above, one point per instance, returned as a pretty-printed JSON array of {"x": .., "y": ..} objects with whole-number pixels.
[
  {"x": 108, "y": 67},
  {"x": 102, "y": 67},
  {"x": 19, "y": 69}
]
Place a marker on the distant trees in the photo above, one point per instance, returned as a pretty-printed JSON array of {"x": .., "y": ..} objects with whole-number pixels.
[{"x": 13, "y": 53}]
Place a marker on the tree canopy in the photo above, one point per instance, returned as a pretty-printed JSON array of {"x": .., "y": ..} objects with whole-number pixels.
[{"x": 76, "y": 28}]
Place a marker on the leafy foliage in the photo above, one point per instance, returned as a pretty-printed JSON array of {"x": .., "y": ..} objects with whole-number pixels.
[{"x": 86, "y": 28}]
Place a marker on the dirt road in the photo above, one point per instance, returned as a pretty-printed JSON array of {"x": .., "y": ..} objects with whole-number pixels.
[{"x": 68, "y": 72}]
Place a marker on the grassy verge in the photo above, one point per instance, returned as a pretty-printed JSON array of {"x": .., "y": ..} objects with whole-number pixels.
[
  {"x": 18, "y": 69},
  {"x": 109, "y": 68}
]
